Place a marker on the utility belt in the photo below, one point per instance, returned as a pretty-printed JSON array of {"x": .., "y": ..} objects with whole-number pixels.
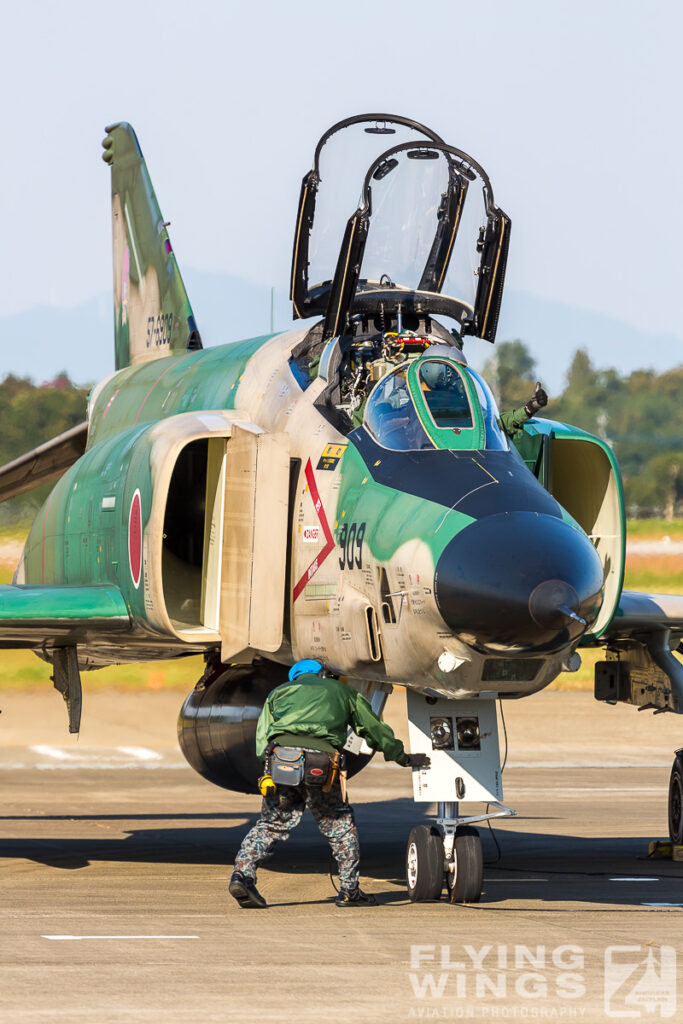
[{"x": 290, "y": 766}]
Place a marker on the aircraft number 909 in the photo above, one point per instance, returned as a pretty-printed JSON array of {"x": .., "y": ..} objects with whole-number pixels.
[
  {"x": 159, "y": 330},
  {"x": 350, "y": 541}
]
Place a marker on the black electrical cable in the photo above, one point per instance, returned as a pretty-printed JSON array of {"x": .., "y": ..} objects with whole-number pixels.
[
  {"x": 505, "y": 733},
  {"x": 492, "y": 863}
]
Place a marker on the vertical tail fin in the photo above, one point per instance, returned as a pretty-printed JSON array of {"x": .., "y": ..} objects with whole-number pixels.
[{"x": 152, "y": 313}]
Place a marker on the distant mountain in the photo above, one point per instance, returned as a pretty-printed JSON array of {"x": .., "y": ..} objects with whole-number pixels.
[
  {"x": 553, "y": 331},
  {"x": 42, "y": 341}
]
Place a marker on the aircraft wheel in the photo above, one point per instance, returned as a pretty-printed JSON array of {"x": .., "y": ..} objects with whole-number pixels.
[
  {"x": 424, "y": 864},
  {"x": 676, "y": 801},
  {"x": 466, "y": 880}
]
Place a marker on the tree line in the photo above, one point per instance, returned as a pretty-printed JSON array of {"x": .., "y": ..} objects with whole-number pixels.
[
  {"x": 31, "y": 414},
  {"x": 640, "y": 415}
]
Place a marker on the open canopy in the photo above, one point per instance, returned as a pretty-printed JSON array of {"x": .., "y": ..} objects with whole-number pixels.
[
  {"x": 341, "y": 158},
  {"x": 423, "y": 238}
]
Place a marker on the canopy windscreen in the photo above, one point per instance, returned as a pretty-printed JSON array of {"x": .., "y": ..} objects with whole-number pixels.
[
  {"x": 406, "y": 209},
  {"x": 344, "y": 160}
]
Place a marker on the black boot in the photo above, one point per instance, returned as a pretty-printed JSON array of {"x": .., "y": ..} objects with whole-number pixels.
[
  {"x": 355, "y": 898},
  {"x": 244, "y": 890}
]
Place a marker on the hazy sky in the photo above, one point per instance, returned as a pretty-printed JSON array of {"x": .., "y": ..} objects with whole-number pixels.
[{"x": 572, "y": 107}]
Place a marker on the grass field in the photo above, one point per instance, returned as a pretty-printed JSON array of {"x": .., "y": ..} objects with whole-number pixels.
[
  {"x": 22, "y": 669},
  {"x": 646, "y": 529}
]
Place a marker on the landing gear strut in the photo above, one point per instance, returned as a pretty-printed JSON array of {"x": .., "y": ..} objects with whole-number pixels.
[
  {"x": 676, "y": 800},
  {"x": 461, "y": 739}
]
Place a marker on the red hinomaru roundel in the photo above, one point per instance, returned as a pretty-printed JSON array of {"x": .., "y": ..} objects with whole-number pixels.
[{"x": 135, "y": 539}]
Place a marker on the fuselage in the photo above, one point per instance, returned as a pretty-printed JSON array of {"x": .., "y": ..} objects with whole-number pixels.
[{"x": 453, "y": 570}]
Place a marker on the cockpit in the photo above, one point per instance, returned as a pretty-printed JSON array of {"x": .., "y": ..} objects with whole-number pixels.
[
  {"x": 433, "y": 403},
  {"x": 418, "y": 246}
]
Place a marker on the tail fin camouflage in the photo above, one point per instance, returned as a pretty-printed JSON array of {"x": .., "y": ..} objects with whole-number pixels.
[{"x": 152, "y": 313}]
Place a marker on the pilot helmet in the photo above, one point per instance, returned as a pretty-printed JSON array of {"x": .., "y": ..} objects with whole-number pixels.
[
  {"x": 308, "y": 665},
  {"x": 434, "y": 374}
]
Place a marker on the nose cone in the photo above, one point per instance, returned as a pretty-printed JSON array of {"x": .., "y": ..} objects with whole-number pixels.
[{"x": 521, "y": 582}]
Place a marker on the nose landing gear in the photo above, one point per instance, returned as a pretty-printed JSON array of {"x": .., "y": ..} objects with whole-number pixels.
[
  {"x": 461, "y": 738},
  {"x": 453, "y": 856}
]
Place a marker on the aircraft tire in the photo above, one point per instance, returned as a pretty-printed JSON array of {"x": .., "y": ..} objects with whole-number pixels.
[
  {"x": 676, "y": 801},
  {"x": 424, "y": 864},
  {"x": 465, "y": 883}
]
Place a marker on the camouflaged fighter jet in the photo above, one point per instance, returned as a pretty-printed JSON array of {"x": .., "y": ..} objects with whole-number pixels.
[{"x": 343, "y": 491}]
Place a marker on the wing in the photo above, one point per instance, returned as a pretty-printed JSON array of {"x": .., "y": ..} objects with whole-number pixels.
[
  {"x": 640, "y": 613},
  {"x": 47, "y": 462},
  {"x": 63, "y": 616}
]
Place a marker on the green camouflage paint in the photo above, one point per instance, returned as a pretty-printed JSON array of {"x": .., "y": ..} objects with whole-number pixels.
[
  {"x": 152, "y": 312},
  {"x": 393, "y": 517}
]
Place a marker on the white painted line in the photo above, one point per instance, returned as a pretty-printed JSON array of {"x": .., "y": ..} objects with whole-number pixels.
[
  {"x": 587, "y": 789},
  {"x": 112, "y": 938},
  {"x": 141, "y": 753},
  {"x": 110, "y": 766},
  {"x": 95, "y": 757},
  {"x": 588, "y": 764},
  {"x": 635, "y": 878},
  {"x": 57, "y": 752}
]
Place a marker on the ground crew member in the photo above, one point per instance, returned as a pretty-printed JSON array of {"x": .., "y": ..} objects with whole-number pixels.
[
  {"x": 513, "y": 421},
  {"x": 313, "y": 712}
]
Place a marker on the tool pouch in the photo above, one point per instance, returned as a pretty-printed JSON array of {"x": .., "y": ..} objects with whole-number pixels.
[
  {"x": 287, "y": 766},
  {"x": 317, "y": 767},
  {"x": 291, "y": 765}
]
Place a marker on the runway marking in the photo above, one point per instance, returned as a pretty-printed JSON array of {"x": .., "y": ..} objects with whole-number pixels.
[
  {"x": 94, "y": 766},
  {"x": 56, "y": 752},
  {"x": 99, "y": 766},
  {"x": 635, "y": 878},
  {"x": 92, "y": 756},
  {"x": 112, "y": 938},
  {"x": 141, "y": 753},
  {"x": 524, "y": 790},
  {"x": 588, "y": 764}
]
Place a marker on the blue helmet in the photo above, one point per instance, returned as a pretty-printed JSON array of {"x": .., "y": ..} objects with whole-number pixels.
[{"x": 300, "y": 667}]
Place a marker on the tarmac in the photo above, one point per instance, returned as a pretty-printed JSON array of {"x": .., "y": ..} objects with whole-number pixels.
[{"x": 115, "y": 856}]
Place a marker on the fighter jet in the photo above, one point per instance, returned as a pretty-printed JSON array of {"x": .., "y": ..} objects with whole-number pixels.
[{"x": 343, "y": 491}]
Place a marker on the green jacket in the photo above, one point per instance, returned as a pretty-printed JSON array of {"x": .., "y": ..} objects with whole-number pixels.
[
  {"x": 323, "y": 708},
  {"x": 513, "y": 421}
]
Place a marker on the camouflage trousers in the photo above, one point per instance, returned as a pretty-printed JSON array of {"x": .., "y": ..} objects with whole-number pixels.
[{"x": 283, "y": 812}]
